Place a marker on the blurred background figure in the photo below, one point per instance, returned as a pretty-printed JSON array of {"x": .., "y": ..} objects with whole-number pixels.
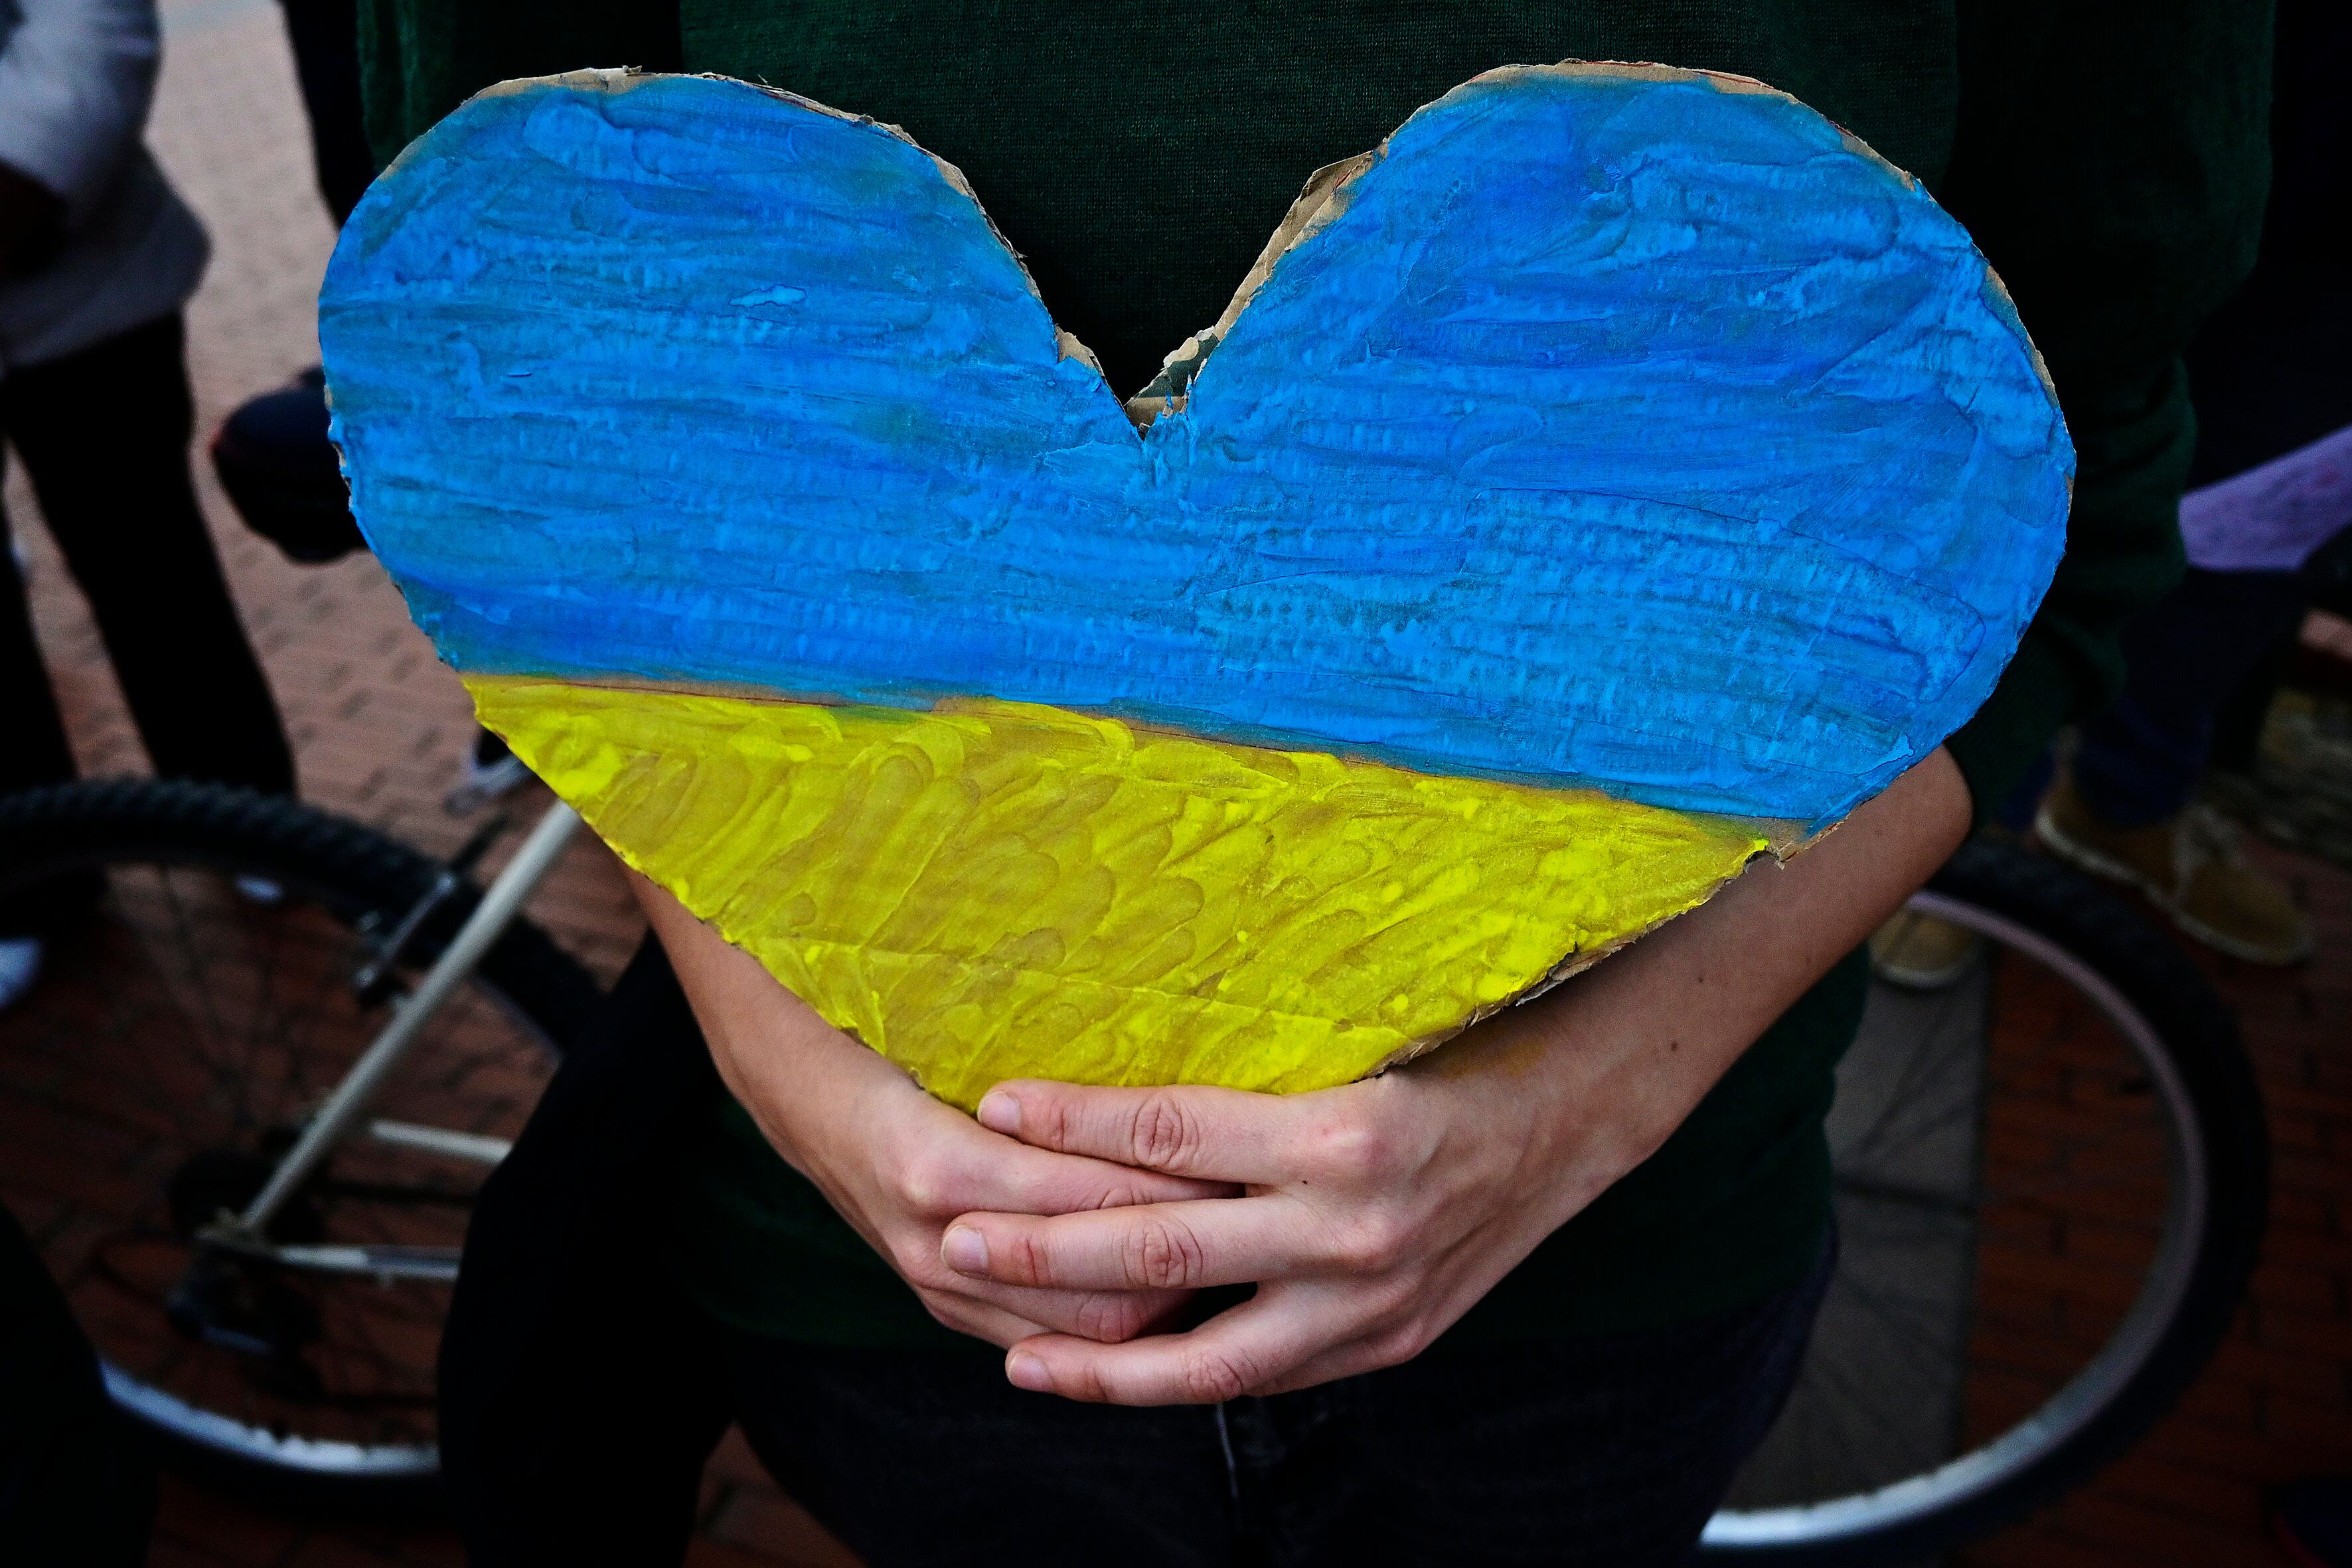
[
  {"x": 2267, "y": 527},
  {"x": 2265, "y": 523},
  {"x": 97, "y": 257},
  {"x": 273, "y": 454}
]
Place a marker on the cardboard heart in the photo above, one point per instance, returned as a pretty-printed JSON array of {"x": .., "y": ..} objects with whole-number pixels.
[{"x": 1619, "y": 473}]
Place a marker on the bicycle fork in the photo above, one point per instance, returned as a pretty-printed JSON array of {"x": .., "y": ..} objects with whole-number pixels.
[{"x": 245, "y": 1233}]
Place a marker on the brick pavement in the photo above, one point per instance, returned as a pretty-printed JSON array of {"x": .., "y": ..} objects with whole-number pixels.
[
  {"x": 378, "y": 724},
  {"x": 2276, "y": 1402}
]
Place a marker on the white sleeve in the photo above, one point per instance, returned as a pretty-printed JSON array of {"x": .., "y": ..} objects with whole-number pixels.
[{"x": 76, "y": 78}]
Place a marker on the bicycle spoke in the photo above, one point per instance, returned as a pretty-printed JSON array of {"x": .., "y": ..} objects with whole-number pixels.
[
  {"x": 1852, "y": 1395},
  {"x": 113, "y": 999},
  {"x": 300, "y": 1029},
  {"x": 187, "y": 934},
  {"x": 1934, "y": 1343},
  {"x": 266, "y": 989},
  {"x": 1948, "y": 1047}
]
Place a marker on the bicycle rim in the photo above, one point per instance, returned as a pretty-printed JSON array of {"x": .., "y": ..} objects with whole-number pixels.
[{"x": 2027, "y": 1385}]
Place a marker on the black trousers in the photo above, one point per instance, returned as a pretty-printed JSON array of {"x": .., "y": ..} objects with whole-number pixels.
[
  {"x": 582, "y": 1393},
  {"x": 325, "y": 36},
  {"x": 104, "y": 435}
]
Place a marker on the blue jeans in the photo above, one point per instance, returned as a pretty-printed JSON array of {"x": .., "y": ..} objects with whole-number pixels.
[{"x": 2141, "y": 761}]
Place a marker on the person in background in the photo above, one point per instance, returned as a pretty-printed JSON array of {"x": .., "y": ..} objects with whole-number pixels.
[
  {"x": 2269, "y": 377},
  {"x": 2272, "y": 485},
  {"x": 97, "y": 257},
  {"x": 273, "y": 454}
]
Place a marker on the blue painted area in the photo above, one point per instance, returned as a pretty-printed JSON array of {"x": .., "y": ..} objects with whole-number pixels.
[{"x": 1618, "y": 432}]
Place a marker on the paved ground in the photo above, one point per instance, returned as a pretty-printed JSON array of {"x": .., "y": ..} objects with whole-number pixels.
[{"x": 378, "y": 724}]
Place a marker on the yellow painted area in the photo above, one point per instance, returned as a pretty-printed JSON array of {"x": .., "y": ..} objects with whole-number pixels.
[{"x": 993, "y": 891}]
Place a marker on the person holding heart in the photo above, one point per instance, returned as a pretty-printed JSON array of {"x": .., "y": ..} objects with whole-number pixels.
[{"x": 1529, "y": 1299}]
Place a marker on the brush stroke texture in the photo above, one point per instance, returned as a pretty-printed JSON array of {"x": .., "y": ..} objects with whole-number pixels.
[
  {"x": 987, "y": 891},
  {"x": 1624, "y": 433}
]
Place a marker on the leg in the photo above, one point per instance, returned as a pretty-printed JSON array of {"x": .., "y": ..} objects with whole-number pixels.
[
  {"x": 2141, "y": 761},
  {"x": 325, "y": 36},
  {"x": 2237, "y": 724},
  {"x": 2126, "y": 811},
  {"x": 104, "y": 433},
  {"x": 37, "y": 752},
  {"x": 930, "y": 1457}
]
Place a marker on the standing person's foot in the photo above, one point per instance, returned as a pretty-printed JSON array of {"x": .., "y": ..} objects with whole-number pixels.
[
  {"x": 2192, "y": 867},
  {"x": 491, "y": 771},
  {"x": 1922, "y": 951},
  {"x": 2311, "y": 1520},
  {"x": 20, "y": 967}
]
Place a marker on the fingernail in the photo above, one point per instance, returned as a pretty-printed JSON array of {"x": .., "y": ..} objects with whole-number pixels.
[
  {"x": 1001, "y": 1112},
  {"x": 965, "y": 1250},
  {"x": 1026, "y": 1371}
]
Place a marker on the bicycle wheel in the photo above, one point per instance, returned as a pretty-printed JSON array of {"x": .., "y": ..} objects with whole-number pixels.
[
  {"x": 187, "y": 1025},
  {"x": 2051, "y": 1181}
]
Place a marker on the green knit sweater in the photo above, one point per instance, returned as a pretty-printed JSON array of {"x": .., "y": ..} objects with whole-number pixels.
[{"x": 2111, "y": 162}]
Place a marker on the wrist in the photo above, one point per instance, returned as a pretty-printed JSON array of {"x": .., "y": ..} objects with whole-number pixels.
[
  {"x": 795, "y": 1074},
  {"x": 1570, "y": 1093},
  {"x": 1611, "y": 1063}
]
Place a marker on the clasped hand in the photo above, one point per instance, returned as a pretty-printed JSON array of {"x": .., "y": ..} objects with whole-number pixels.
[{"x": 1370, "y": 1218}]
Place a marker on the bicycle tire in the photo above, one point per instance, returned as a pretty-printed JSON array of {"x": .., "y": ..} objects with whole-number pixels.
[
  {"x": 537, "y": 977},
  {"x": 2196, "y": 1037},
  {"x": 353, "y": 872}
]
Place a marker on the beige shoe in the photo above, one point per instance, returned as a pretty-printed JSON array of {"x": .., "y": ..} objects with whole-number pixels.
[
  {"x": 2192, "y": 867},
  {"x": 1922, "y": 951}
]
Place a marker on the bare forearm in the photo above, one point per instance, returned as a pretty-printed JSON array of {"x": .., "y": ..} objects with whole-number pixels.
[
  {"x": 770, "y": 1047},
  {"x": 1741, "y": 960},
  {"x": 1650, "y": 1030}
]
